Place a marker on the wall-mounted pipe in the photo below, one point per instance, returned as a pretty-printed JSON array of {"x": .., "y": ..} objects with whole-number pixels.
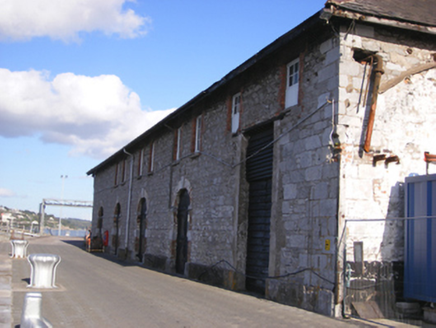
[
  {"x": 128, "y": 199},
  {"x": 378, "y": 71}
]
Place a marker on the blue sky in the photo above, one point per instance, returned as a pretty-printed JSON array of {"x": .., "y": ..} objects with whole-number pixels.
[{"x": 80, "y": 79}]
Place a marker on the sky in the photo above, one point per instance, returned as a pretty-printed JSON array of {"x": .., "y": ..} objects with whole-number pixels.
[{"x": 79, "y": 79}]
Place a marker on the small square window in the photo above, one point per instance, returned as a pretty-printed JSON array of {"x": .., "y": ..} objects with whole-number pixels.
[
  {"x": 177, "y": 144},
  {"x": 293, "y": 79},
  {"x": 198, "y": 134},
  {"x": 236, "y": 108},
  {"x": 293, "y": 71},
  {"x": 116, "y": 175},
  {"x": 140, "y": 161},
  {"x": 123, "y": 175},
  {"x": 151, "y": 159}
]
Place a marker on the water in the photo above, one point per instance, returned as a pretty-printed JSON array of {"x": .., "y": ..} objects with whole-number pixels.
[{"x": 69, "y": 233}]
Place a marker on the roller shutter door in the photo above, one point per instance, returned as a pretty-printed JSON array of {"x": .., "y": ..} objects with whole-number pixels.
[{"x": 259, "y": 175}]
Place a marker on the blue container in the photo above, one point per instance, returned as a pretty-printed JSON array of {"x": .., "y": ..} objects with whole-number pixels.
[{"x": 420, "y": 239}]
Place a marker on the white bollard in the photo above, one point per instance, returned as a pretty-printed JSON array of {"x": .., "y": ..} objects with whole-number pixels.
[
  {"x": 19, "y": 248},
  {"x": 31, "y": 316},
  {"x": 43, "y": 270}
]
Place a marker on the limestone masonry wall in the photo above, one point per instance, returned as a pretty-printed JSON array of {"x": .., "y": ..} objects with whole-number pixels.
[{"x": 321, "y": 180}]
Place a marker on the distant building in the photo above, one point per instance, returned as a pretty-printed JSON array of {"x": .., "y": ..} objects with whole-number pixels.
[
  {"x": 5, "y": 217},
  {"x": 286, "y": 176}
]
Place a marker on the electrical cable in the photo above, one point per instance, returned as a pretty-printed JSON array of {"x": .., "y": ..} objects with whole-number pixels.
[
  {"x": 271, "y": 277},
  {"x": 247, "y": 158}
]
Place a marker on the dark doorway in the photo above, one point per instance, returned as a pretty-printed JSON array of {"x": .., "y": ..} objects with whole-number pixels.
[
  {"x": 115, "y": 238},
  {"x": 141, "y": 226},
  {"x": 100, "y": 221},
  {"x": 182, "y": 231},
  {"x": 259, "y": 176}
]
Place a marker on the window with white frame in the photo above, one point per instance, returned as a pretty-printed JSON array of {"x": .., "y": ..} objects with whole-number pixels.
[
  {"x": 123, "y": 174},
  {"x": 198, "y": 134},
  {"x": 292, "y": 83},
  {"x": 116, "y": 174},
  {"x": 178, "y": 145},
  {"x": 140, "y": 161},
  {"x": 151, "y": 159},
  {"x": 236, "y": 108}
]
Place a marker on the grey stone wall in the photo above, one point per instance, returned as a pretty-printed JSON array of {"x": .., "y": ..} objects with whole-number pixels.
[
  {"x": 304, "y": 187},
  {"x": 405, "y": 114},
  {"x": 307, "y": 188},
  {"x": 321, "y": 178},
  {"x": 403, "y": 127}
]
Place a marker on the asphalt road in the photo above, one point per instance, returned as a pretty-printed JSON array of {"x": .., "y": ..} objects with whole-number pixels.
[{"x": 94, "y": 290}]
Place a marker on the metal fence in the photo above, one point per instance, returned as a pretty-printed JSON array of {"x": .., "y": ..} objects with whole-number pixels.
[{"x": 381, "y": 264}]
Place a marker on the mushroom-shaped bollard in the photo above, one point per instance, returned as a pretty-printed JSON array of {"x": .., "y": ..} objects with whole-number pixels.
[
  {"x": 31, "y": 316},
  {"x": 43, "y": 270},
  {"x": 19, "y": 248}
]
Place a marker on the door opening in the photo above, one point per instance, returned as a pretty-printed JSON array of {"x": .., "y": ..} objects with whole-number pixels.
[
  {"x": 141, "y": 227},
  {"x": 182, "y": 231},
  {"x": 259, "y": 176},
  {"x": 115, "y": 239}
]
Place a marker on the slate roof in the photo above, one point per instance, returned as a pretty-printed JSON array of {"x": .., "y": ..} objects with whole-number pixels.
[{"x": 413, "y": 11}]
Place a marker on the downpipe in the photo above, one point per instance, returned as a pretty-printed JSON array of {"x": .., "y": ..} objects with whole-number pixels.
[
  {"x": 378, "y": 71},
  {"x": 128, "y": 200}
]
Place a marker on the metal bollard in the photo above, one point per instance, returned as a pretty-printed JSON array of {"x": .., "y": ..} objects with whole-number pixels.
[
  {"x": 43, "y": 270},
  {"x": 19, "y": 248},
  {"x": 31, "y": 316}
]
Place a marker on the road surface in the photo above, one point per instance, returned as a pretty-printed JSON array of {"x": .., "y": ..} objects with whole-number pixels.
[{"x": 95, "y": 290}]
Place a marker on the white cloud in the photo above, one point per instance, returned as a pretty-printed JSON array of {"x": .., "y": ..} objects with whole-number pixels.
[
  {"x": 6, "y": 193},
  {"x": 96, "y": 115},
  {"x": 64, "y": 19}
]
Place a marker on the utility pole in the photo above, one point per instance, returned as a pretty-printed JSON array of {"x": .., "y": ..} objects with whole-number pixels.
[
  {"x": 41, "y": 218},
  {"x": 63, "y": 177}
]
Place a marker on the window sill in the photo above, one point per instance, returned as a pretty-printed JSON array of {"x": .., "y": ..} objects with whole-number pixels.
[{"x": 195, "y": 155}]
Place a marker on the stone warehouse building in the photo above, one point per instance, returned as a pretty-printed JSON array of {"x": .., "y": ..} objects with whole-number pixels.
[{"x": 251, "y": 183}]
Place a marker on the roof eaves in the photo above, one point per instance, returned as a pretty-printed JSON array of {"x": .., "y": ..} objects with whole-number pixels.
[{"x": 350, "y": 9}]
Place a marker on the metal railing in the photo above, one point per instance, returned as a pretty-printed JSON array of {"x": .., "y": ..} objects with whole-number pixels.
[{"x": 377, "y": 255}]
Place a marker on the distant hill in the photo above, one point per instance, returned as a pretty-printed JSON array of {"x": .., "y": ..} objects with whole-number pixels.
[{"x": 23, "y": 219}]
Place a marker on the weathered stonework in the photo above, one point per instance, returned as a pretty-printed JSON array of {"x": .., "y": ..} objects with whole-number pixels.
[{"x": 321, "y": 177}]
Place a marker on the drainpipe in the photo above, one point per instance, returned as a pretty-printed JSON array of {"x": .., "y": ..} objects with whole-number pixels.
[
  {"x": 128, "y": 199},
  {"x": 378, "y": 71}
]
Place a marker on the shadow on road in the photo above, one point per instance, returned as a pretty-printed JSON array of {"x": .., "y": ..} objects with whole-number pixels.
[{"x": 79, "y": 243}]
